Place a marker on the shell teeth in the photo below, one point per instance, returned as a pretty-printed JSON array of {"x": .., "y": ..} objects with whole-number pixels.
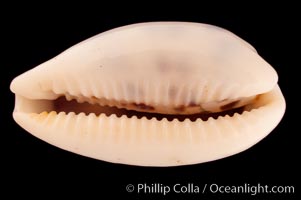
[
  {"x": 70, "y": 86},
  {"x": 68, "y": 97},
  {"x": 95, "y": 91},
  {"x": 80, "y": 121},
  {"x": 146, "y": 89},
  {"x": 156, "y": 142},
  {"x": 124, "y": 92},
  {"x": 165, "y": 95}
]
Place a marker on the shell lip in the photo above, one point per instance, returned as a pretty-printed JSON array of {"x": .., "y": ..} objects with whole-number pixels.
[
  {"x": 48, "y": 101},
  {"x": 178, "y": 141}
]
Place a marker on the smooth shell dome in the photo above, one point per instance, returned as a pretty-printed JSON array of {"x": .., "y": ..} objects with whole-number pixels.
[{"x": 205, "y": 62}]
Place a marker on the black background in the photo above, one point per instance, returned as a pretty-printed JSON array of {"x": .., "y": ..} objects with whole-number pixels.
[{"x": 36, "y": 35}]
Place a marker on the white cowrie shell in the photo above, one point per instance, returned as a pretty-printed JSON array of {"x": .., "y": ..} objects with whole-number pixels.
[{"x": 161, "y": 67}]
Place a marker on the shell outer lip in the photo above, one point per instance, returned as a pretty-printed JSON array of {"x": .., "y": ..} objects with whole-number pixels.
[{"x": 163, "y": 143}]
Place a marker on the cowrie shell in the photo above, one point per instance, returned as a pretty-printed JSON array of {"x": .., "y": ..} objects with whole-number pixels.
[{"x": 164, "y": 71}]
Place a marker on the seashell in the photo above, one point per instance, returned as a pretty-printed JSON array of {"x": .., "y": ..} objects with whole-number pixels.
[{"x": 152, "y": 94}]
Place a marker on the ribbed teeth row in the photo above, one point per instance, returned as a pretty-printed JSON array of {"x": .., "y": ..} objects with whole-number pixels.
[
  {"x": 148, "y": 92},
  {"x": 53, "y": 118},
  {"x": 124, "y": 129},
  {"x": 91, "y": 100}
]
